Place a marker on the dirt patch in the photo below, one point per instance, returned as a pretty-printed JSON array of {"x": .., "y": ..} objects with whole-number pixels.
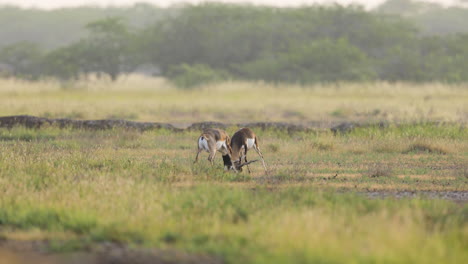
[
  {"x": 26, "y": 252},
  {"x": 360, "y": 175},
  {"x": 456, "y": 196}
]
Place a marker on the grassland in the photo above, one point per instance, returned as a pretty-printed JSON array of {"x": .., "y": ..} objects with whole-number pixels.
[
  {"x": 79, "y": 188},
  {"x": 143, "y": 99}
]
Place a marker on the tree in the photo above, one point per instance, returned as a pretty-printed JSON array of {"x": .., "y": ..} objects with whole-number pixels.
[
  {"x": 68, "y": 62},
  {"x": 24, "y": 58},
  {"x": 318, "y": 61},
  {"x": 109, "y": 47}
]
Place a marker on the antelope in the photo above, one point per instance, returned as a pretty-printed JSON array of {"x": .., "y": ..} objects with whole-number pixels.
[
  {"x": 243, "y": 140},
  {"x": 213, "y": 140}
]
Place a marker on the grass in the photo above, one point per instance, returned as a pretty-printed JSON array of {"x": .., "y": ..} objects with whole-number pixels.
[
  {"x": 295, "y": 224},
  {"x": 427, "y": 147},
  {"x": 79, "y": 188},
  {"x": 83, "y": 187},
  {"x": 149, "y": 99},
  {"x": 379, "y": 170}
]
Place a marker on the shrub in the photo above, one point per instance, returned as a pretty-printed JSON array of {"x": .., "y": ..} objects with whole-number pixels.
[{"x": 190, "y": 76}]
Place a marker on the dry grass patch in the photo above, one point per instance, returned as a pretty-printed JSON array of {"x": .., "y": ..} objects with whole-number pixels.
[
  {"x": 388, "y": 147},
  {"x": 462, "y": 172},
  {"x": 325, "y": 144},
  {"x": 376, "y": 170},
  {"x": 153, "y": 99},
  {"x": 273, "y": 148},
  {"x": 427, "y": 177},
  {"x": 427, "y": 147}
]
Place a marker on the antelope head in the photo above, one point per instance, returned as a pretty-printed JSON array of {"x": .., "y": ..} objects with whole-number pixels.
[
  {"x": 237, "y": 166},
  {"x": 243, "y": 140}
]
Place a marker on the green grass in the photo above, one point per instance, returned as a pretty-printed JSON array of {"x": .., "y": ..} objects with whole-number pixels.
[
  {"x": 254, "y": 226},
  {"x": 82, "y": 187}
]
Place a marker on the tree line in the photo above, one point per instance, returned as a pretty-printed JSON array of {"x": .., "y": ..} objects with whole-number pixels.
[{"x": 214, "y": 42}]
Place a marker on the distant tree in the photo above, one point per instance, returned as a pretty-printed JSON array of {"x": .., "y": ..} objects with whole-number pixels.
[
  {"x": 212, "y": 42},
  {"x": 60, "y": 27},
  {"x": 403, "y": 7},
  {"x": 24, "y": 58},
  {"x": 69, "y": 62},
  {"x": 109, "y": 47},
  {"x": 430, "y": 18},
  {"x": 319, "y": 61},
  {"x": 455, "y": 59}
]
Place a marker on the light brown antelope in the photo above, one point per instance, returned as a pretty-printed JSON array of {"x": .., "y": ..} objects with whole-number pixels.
[
  {"x": 243, "y": 140},
  {"x": 213, "y": 140}
]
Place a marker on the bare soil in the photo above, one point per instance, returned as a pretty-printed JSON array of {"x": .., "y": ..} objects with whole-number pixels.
[
  {"x": 456, "y": 196},
  {"x": 26, "y": 252}
]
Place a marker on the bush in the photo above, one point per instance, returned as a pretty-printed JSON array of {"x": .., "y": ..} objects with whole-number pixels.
[{"x": 190, "y": 76}]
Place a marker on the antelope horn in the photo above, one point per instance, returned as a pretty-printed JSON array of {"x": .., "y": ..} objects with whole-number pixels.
[{"x": 247, "y": 163}]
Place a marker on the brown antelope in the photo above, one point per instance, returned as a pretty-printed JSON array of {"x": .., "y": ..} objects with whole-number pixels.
[
  {"x": 213, "y": 140},
  {"x": 243, "y": 140}
]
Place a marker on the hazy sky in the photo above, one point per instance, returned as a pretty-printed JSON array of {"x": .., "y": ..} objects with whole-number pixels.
[{"x": 68, "y": 3}]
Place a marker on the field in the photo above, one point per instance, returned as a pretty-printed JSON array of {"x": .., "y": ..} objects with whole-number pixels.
[
  {"x": 375, "y": 195},
  {"x": 142, "y": 99}
]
